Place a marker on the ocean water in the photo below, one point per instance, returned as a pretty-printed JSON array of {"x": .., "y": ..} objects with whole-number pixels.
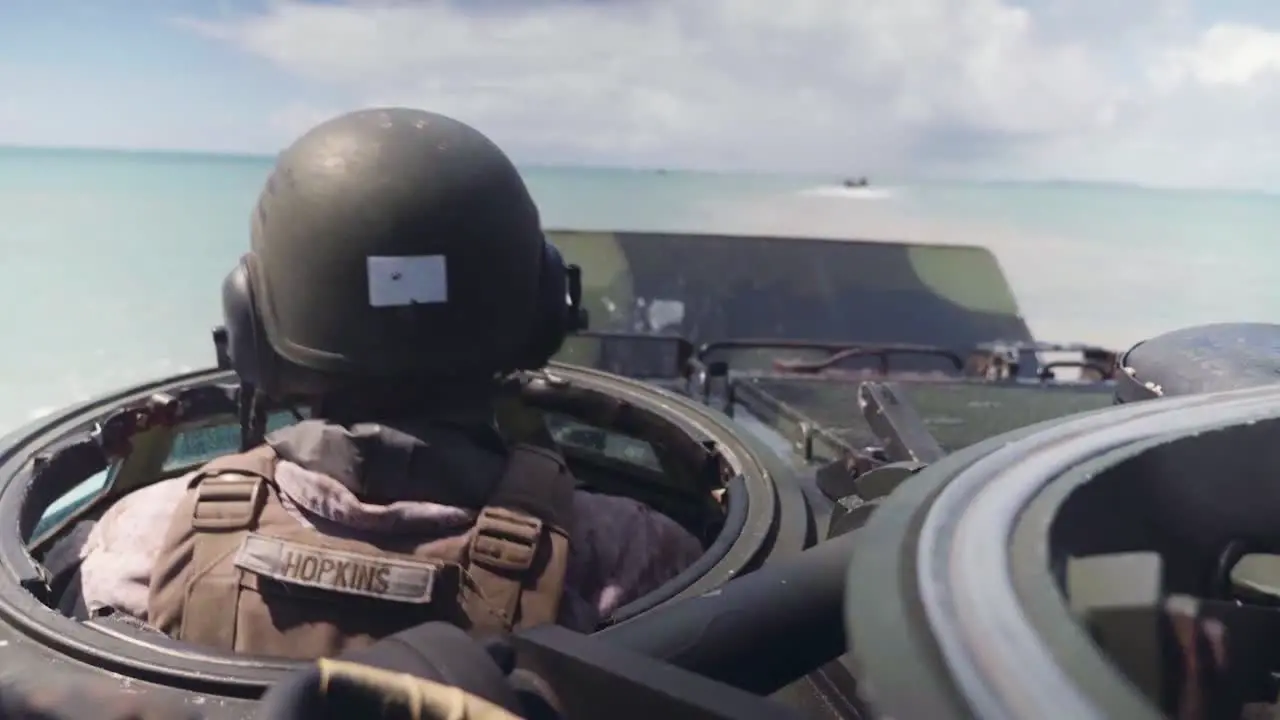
[{"x": 111, "y": 262}]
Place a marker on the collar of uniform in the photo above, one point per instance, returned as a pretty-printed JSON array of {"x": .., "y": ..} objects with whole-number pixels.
[{"x": 389, "y": 462}]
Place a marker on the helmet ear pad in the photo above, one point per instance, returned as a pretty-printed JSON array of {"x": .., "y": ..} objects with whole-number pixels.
[
  {"x": 252, "y": 358},
  {"x": 247, "y": 345},
  {"x": 554, "y": 312}
]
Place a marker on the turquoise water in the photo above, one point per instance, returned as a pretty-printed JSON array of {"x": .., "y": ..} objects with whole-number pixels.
[{"x": 112, "y": 262}]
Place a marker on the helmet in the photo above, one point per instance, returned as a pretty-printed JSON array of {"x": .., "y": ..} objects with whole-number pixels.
[{"x": 395, "y": 244}]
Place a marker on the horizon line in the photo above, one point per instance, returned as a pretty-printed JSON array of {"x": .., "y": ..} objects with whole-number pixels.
[
  {"x": 242, "y": 156},
  {"x": 224, "y": 155},
  {"x": 175, "y": 152}
]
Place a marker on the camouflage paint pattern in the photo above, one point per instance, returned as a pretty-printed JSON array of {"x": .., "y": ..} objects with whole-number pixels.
[
  {"x": 957, "y": 414},
  {"x": 715, "y": 287}
]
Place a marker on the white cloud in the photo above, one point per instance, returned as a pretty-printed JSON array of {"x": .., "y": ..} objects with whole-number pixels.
[
  {"x": 1228, "y": 54},
  {"x": 986, "y": 87}
]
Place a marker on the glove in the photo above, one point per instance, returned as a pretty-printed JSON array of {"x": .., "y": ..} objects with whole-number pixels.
[
  {"x": 434, "y": 670},
  {"x": 349, "y": 690}
]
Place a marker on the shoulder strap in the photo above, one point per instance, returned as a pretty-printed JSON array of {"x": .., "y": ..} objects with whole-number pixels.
[
  {"x": 230, "y": 490},
  {"x": 522, "y": 423},
  {"x": 536, "y": 483},
  {"x": 230, "y": 494},
  {"x": 519, "y": 551}
]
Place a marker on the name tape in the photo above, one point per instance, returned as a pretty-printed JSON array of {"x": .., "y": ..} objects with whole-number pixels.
[{"x": 336, "y": 571}]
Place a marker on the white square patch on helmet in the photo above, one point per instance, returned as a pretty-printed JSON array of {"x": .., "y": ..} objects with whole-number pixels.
[{"x": 398, "y": 281}]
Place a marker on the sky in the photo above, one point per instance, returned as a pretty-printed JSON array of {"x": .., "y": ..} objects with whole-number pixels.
[{"x": 1165, "y": 92}]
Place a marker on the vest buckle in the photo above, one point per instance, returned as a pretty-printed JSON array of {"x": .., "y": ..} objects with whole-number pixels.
[
  {"x": 505, "y": 540},
  {"x": 227, "y": 503}
]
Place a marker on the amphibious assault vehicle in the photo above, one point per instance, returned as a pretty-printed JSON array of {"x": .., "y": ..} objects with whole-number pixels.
[{"x": 911, "y": 507}]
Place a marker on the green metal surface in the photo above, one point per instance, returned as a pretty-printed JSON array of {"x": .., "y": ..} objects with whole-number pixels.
[
  {"x": 958, "y": 413},
  {"x": 710, "y": 287}
]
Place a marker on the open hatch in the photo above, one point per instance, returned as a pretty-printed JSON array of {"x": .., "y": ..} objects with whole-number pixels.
[{"x": 620, "y": 436}]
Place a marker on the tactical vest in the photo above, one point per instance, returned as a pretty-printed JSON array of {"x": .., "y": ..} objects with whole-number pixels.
[{"x": 240, "y": 574}]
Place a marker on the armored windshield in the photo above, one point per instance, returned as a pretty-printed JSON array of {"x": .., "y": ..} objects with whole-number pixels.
[{"x": 714, "y": 287}]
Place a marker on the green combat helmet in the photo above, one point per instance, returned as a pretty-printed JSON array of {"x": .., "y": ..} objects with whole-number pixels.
[{"x": 395, "y": 244}]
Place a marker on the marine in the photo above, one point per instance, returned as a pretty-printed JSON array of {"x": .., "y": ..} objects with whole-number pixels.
[{"x": 397, "y": 274}]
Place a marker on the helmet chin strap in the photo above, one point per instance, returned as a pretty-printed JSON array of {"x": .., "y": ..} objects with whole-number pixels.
[{"x": 252, "y": 409}]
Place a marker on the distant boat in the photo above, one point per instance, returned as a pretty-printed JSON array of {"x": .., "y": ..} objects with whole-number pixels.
[{"x": 859, "y": 183}]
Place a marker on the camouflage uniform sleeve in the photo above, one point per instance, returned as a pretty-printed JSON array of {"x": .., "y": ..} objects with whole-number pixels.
[
  {"x": 625, "y": 549},
  {"x": 123, "y": 546}
]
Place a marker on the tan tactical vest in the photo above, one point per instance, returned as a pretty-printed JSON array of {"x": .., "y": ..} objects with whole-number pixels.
[{"x": 241, "y": 574}]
